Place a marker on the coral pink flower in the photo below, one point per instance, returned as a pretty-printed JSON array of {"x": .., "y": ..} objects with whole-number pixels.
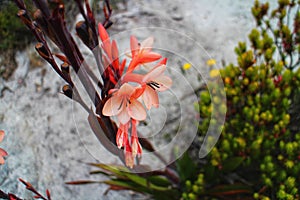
[
  {"x": 132, "y": 148},
  {"x": 141, "y": 53},
  {"x": 110, "y": 55},
  {"x": 124, "y": 105},
  {"x": 155, "y": 81},
  {"x": 3, "y": 153},
  {"x": 122, "y": 135}
]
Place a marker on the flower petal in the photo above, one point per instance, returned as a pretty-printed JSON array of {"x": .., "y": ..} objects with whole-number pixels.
[
  {"x": 120, "y": 138},
  {"x": 154, "y": 73},
  {"x": 136, "y": 147},
  {"x": 102, "y": 32},
  {"x": 126, "y": 90},
  {"x": 2, "y": 161},
  {"x": 3, "y": 153},
  {"x": 128, "y": 53},
  {"x": 129, "y": 160},
  {"x": 106, "y": 46},
  {"x": 1, "y": 135},
  {"x": 146, "y": 45},
  {"x": 149, "y": 57},
  {"x": 113, "y": 105},
  {"x": 134, "y": 46},
  {"x": 136, "y": 110},
  {"x": 138, "y": 92},
  {"x": 150, "y": 98},
  {"x": 163, "y": 61},
  {"x": 164, "y": 82},
  {"x": 133, "y": 64},
  {"x": 115, "y": 54},
  {"x": 123, "y": 116},
  {"x": 132, "y": 77}
]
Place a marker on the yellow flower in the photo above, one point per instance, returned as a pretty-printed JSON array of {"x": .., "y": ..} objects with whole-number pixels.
[
  {"x": 211, "y": 62},
  {"x": 214, "y": 73},
  {"x": 186, "y": 66}
]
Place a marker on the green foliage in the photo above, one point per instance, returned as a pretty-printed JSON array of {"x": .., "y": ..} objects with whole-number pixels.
[
  {"x": 13, "y": 34},
  {"x": 120, "y": 178},
  {"x": 259, "y": 146},
  {"x": 186, "y": 168}
]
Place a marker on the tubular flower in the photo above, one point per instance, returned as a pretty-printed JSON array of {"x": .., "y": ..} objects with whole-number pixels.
[
  {"x": 122, "y": 135},
  {"x": 132, "y": 148},
  {"x": 3, "y": 153},
  {"x": 112, "y": 65},
  {"x": 124, "y": 105},
  {"x": 135, "y": 144},
  {"x": 129, "y": 159},
  {"x": 141, "y": 53}
]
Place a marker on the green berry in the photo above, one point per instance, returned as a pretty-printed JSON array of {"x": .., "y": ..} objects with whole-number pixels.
[
  {"x": 192, "y": 196},
  {"x": 188, "y": 184},
  {"x": 256, "y": 196}
]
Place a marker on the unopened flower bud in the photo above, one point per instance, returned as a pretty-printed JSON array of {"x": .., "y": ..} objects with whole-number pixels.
[{"x": 68, "y": 91}]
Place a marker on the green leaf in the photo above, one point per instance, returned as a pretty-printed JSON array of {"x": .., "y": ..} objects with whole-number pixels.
[
  {"x": 158, "y": 180},
  {"x": 234, "y": 189},
  {"x": 145, "y": 183},
  {"x": 126, "y": 185},
  {"x": 123, "y": 173},
  {"x": 118, "y": 171},
  {"x": 211, "y": 173},
  {"x": 231, "y": 164},
  {"x": 100, "y": 172},
  {"x": 186, "y": 168},
  {"x": 82, "y": 182}
]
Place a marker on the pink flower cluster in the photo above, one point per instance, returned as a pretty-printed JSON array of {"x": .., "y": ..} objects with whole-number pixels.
[{"x": 134, "y": 93}]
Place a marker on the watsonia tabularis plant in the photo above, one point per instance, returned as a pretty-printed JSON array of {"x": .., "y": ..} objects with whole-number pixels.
[{"x": 125, "y": 93}]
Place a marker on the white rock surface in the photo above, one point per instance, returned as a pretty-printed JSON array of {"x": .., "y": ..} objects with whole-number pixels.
[{"x": 48, "y": 138}]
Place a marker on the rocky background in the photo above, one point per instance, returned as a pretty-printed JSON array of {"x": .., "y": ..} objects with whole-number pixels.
[{"x": 47, "y": 136}]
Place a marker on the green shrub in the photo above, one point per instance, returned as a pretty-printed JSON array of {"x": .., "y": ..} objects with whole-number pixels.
[{"x": 257, "y": 155}]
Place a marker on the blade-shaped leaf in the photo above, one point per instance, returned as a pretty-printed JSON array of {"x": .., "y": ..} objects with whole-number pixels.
[
  {"x": 100, "y": 172},
  {"x": 231, "y": 164},
  {"x": 186, "y": 167},
  {"x": 158, "y": 180},
  {"x": 82, "y": 182},
  {"x": 116, "y": 170},
  {"x": 144, "y": 182},
  {"x": 229, "y": 190},
  {"x": 126, "y": 185}
]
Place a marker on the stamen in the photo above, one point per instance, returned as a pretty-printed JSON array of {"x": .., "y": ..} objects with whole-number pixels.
[
  {"x": 128, "y": 101},
  {"x": 153, "y": 85},
  {"x": 121, "y": 104},
  {"x": 149, "y": 84}
]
